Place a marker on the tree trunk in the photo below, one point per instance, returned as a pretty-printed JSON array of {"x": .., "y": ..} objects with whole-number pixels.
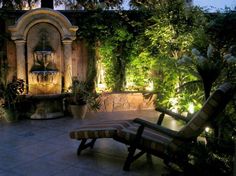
[
  {"x": 207, "y": 84},
  {"x": 91, "y": 67},
  {"x": 47, "y": 4}
]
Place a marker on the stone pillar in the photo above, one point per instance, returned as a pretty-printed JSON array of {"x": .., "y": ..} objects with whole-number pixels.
[
  {"x": 67, "y": 43},
  {"x": 20, "y": 59}
]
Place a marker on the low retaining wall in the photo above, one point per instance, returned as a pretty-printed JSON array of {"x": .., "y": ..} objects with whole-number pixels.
[{"x": 127, "y": 101}]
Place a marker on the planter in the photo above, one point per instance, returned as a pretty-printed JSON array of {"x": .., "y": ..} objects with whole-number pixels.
[{"x": 78, "y": 111}]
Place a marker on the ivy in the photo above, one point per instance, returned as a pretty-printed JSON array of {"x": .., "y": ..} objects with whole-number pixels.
[
  {"x": 91, "y": 71},
  {"x": 114, "y": 53}
]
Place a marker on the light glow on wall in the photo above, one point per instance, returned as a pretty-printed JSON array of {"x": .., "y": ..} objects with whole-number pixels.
[
  {"x": 174, "y": 102},
  {"x": 191, "y": 108},
  {"x": 173, "y": 124},
  {"x": 150, "y": 86},
  {"x": 207, "y": 129},
  {"x": 101, "y": 87}
]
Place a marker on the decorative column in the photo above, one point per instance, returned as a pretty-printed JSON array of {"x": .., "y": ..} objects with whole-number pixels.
[
  {"x": 20, "y": 59},
  {"x": 67, "y": 44}
]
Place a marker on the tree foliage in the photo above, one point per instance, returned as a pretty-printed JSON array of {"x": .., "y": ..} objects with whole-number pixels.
[
  {"x": 152, "y": 52},
  {"x": 90, "y": 4},
  {"x": 17, "y": 4},
  {"x": 172, "y": 31},
  {"x": 221, "y": 30},
  {"x": 114, "y": 52}
]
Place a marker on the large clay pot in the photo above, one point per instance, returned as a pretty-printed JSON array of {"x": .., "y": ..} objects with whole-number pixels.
[{"x": 78, "y": 111}]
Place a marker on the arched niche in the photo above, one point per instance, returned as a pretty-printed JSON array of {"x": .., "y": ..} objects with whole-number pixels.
[{"x": 40, "y": 83}]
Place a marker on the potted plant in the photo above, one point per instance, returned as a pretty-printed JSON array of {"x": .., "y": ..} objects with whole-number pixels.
[
  {"x": 82, "y": 98},
  {"x": 9, "y": 91}
]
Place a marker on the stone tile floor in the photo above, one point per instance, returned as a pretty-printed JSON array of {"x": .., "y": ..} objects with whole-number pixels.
[{"x": 43, "y": 148}]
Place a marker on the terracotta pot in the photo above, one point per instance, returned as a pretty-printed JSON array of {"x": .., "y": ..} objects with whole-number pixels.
[{"x": 78, "y": 111}]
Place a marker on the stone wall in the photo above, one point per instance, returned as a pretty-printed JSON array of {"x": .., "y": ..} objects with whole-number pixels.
[{"x": 111, "y": 102}]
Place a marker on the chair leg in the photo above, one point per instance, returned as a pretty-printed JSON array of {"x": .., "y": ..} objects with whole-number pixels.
[
  {"x": 131, "y": 156},
  {"x": 129, "y": 159},
  {"x": 83, "y": 145},
  {"x": 149, "y": 158},
  {"x": 92, "y": 143},
  {"x": 166, "y": 162}
]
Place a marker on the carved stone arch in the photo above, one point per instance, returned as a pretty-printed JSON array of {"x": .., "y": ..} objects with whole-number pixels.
[{"x": 26, "y": 21}]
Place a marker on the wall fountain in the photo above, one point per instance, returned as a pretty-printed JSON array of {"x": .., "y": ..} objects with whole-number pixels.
[{"x": 43, "y": 39}]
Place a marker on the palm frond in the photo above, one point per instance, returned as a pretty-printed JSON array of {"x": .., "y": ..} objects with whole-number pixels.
[{"x": 191, "y": 86}]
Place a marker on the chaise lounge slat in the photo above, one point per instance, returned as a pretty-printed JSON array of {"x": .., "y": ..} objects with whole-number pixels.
[{"x": 103, "y": 129}]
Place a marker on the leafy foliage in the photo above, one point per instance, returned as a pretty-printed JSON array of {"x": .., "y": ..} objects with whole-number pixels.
[
  {"x": 114, "y": 53},
  {"x": 208, "y": 160},
  {"x": 90, "y": 4},
  {"x": 9, "y": 90},
  {"x": 82, "y": 94},
  {"x": 150, "y": 55},
  {"x": 17, "y": 4},
  {"x": 221, "y": 28},
  {"x": 171, "y": 32},
  {"x": 208, "y": 67}
]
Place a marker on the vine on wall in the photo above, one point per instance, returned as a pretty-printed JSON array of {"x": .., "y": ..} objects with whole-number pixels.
[{"x": 114, "y": 52}]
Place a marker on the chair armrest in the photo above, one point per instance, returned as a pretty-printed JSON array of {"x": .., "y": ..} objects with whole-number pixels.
[
  {"x": 159, "y": 128},
  {"x": 173, "y": 114}
]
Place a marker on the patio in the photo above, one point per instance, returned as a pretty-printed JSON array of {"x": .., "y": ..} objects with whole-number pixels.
[{"x": 43, "y": 147}]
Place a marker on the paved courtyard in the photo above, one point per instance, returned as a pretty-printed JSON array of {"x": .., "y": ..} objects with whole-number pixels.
[{"x": 43, "y": 148}]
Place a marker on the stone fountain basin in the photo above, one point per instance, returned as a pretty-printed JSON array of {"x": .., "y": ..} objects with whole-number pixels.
[{"x": 46, "y": 106}]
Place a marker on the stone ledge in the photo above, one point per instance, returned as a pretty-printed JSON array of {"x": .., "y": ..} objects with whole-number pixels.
[{"x": 127, "y": 101}]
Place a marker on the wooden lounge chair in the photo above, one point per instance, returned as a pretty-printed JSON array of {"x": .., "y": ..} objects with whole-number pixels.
[{"x": 155, "y": 139}]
